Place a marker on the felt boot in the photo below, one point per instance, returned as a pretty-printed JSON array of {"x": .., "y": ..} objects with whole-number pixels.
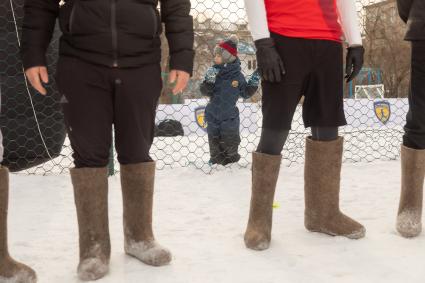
[
  {"x": 91, "y": 201},
  {"x": 11, "y": 271},
  {"x": 137, "y": 182},
  {"x": 323, "y": 161},
  {"x": 409, "y": 218},
  {"x": 265, "y": 172}
]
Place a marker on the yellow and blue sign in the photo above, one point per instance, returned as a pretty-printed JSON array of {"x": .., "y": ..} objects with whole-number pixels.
[
  {"x": 200, "y": 118},
  {"x": 382, "y": 111}
]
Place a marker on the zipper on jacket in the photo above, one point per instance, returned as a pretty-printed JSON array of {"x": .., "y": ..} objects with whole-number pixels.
[
  {"x": 114, "y": 33},
  {"x": 155, "y": 21},
  {"x": 72, "y": 15}
]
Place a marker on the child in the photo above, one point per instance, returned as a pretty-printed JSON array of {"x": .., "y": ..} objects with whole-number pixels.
[{"x": 224, "y": 83}]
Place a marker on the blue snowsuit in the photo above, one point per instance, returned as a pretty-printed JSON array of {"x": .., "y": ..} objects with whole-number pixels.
[{"x": 224, "y": 84}]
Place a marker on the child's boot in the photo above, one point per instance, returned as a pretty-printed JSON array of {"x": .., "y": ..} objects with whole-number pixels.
[
  {"x": 216, "y": 152},
  {"x": 231, "y": 143}
]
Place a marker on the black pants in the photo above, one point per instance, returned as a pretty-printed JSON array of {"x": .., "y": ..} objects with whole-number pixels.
[
  {"x": 314, "y": 68},
  {"x": 414, "y": 136},
  {"x": 95, "y": 98}
]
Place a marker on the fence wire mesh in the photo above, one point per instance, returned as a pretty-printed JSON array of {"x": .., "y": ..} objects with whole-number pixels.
[{"x": 375, "y": 103}]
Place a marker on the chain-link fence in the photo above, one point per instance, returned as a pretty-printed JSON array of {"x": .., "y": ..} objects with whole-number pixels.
[
  {"x": 32, "y": 124},
  {"x": 375, "y": 103}
]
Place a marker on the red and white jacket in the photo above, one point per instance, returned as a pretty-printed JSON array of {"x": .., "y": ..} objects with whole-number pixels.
[{"x": 309, "y": 19}]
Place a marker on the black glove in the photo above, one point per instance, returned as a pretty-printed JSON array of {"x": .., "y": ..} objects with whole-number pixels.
[
  {"x": 270, "y": 65},
  {"x": 354, "y": 62}
]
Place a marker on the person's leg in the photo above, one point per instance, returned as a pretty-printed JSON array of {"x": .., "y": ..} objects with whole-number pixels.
[
  {"x": 230, "y": 140},
  {"x": 272, "y": 141},
  {"x": 88, "y": 110},
  {"x": 136, "y": 99},
  {"x": 216, "y": 151},
  {"x": 414, "y": 136},
  {"x": 265, "y": 171},
  {"x": 91, "y": 200},
  {"x": 409, "y": 218},
  {"x": 279, "y": 103},
  {"x": 88, "y": 116},
  {"x": 135, "y": 103},
  {"x": 323, "y": 111},
  {"x": 324, "y": 133},
  {"x": 10, "y": 270}
]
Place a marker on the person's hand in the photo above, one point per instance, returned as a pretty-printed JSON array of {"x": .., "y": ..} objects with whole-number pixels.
[
  {"x": 37, "y": 76},
  {"x": 181, "y": 78},
  {"x": 270, "y": 65},
  {"x": 354, "y": 62}
]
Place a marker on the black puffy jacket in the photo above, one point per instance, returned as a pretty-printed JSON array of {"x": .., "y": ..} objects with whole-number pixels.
[
  {"x": 413, "y": 12},
  {"x": 115, "y": 33}
]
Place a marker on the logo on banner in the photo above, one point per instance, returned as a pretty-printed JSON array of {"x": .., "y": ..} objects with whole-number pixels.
[
  {"x": 200, "y": 117},
  {"x": 382, "y": 111}
]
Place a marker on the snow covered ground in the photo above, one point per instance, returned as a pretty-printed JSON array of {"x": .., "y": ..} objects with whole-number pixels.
[{"x": 201, "y": 218}]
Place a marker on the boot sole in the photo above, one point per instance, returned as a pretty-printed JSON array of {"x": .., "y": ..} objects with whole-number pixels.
[
  {"x": 354, "y": 236},
  {"x": 148, "y": 263}
]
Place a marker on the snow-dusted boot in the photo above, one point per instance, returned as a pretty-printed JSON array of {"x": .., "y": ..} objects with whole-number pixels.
[
  {"x": 265, "y": 172},
  {"x": 323, "y": 161},
  {"x": 216, "y": 152},
  {"x": 10, "y": 270},
  {"x": 137, "y": 182},
  {"x": 231, "y": 143},
  {"x": 91, "y": 200},
  {"x": 409, "y": 219}
]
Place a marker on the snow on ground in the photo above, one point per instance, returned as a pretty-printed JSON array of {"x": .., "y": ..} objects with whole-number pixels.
[{"x": 201, "y": 218}]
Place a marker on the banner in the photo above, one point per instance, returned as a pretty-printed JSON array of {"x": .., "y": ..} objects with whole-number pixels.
[{"x": 361, "y": 114}]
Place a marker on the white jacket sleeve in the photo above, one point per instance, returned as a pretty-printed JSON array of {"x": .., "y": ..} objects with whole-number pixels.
[
  {"x": 350, "y": 21},
  {"x": 257, "y": 18}
]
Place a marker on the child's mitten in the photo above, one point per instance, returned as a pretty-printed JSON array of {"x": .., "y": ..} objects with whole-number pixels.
[
  {"x": 211, "y": 75},
  {"x": 254, "y": 79}
]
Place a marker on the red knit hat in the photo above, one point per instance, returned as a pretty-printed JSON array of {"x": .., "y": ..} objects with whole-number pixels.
[{"x": 230, "y": 45}]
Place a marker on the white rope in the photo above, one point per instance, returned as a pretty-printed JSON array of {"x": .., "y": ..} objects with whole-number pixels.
[{"x": 28, "y": 90}]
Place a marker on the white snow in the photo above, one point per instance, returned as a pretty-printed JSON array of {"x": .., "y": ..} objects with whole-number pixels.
[{"x": 202, "y": 218}]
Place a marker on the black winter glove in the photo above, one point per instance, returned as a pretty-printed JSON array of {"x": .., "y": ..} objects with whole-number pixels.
[
  {"x": 354, "y": 62},
  {"x": 270, "y": 65}
]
